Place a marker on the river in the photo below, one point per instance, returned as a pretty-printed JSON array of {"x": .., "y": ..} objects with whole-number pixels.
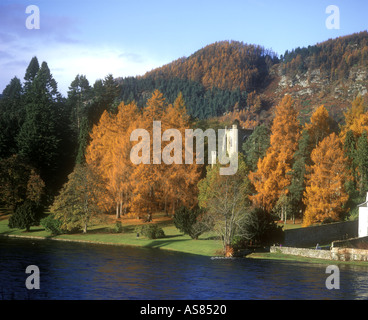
[{"x": 76, "y": 271}]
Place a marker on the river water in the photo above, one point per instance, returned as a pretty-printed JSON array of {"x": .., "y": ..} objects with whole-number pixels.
[{"x": 76, "y": 271}]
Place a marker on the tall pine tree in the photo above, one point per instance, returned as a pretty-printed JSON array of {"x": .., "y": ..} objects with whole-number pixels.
[
  {"x": 11, "y": 117},
  {"x": 40, "y": 138}
]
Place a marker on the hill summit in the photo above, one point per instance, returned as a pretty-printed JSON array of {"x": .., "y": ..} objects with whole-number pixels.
[{"x": 229, "y": 76}]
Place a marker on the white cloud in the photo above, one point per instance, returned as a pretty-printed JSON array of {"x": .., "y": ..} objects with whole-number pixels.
[
  {"x": 65, "y": 55},
  {"x": 67, "y": 60},
  {"x": 95, "y": 63}
]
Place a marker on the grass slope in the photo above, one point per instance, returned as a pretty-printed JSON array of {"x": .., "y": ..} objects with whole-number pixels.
[{"x": 174, "y": 240}]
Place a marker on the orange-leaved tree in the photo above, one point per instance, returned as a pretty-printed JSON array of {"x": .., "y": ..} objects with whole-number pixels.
[
  {"x": 146, "y": 176},
  {"x": 325, "y": 195},
  {"x": 320, "y": 125},
  {"x": 356, "y": 118},
  {"x": 108, "y": 153},
  {"x": 272, "y": 177},
  {"x": 148, "y": 186},
  {"x": 159, "y": 184}
]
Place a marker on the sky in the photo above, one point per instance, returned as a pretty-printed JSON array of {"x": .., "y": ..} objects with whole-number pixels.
[{"x": 129, "y": 38}]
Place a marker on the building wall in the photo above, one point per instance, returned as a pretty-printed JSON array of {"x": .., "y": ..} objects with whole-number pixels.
[
  {"x": 324, "y": 234},
  {"x": 363, "y": 221}
]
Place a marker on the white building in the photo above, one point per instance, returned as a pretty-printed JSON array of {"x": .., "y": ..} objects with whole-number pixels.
[
  {"x": 363, "y": 219},
  {"x": 229, "y": 144}
]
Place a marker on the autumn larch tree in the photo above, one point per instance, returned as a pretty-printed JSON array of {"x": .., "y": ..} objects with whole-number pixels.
[
  {"x": 356, "y": 118},
  {"x": 146, "y": 187},
  {"x": 108, "y": 153},
  {"x": 272, "y": 176},
  {"x": 319, "y": 126},
  {"x": 325, "y": 196}
]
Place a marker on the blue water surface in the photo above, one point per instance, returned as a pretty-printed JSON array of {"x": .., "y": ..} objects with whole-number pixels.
[{"x": 76, "y": 271}]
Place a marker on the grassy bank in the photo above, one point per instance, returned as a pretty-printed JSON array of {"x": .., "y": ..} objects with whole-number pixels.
[
  {"x": 104, "y": 234},
  {"x": 206, "y": 245}
]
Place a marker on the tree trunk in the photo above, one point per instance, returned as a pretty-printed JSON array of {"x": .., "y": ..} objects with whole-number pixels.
[
  {"x": 117, "y": 210},
  {"x": 229, "y": 251},
  {"x": 284, "y": 210},
  {"x": 165, "y": 208}
]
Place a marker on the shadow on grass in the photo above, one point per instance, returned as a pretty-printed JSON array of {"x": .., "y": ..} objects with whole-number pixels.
[
  {"x": 101, "y": 230},
  {"x": 162, "y": 243},
  {"x": 6, "y": 233},
  {"x": 34, "y": 230},
  {"x": 210, "y": 238},
  {"x": 5, "y": 213},
  {"x": 173, "y": 236}
]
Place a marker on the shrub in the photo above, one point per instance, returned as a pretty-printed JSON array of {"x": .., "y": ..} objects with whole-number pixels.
[
  {"x": 118, "y": 227},
  {"x": 259, "y": 226},
  {"x": 152, "y": 231},
  {"x": 191, "y": 221},
  {"x": 26, "y": 215},
  {"x": 52, "y": 225}
]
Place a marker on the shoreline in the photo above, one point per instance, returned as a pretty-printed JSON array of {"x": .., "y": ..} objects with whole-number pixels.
[
  {"x": 251, "y": 256},
  {"x": 140, "y": 243},
  {"x": 24, "y": 237}
]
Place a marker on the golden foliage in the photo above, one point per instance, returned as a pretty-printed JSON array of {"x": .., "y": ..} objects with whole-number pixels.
[
  {"x": 356, "y": 118},
  {"x": 271, "y": 178},
  {"x": 143, "y": 188},
  {"x": 325, "y": 196},
  {"x": 319, "y": 126}
]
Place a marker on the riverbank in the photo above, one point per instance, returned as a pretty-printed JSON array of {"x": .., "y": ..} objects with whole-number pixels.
[{"x": 206, "y": 245}]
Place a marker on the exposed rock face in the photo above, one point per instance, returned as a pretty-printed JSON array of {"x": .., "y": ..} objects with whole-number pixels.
[{"x": 314, "y": 88}]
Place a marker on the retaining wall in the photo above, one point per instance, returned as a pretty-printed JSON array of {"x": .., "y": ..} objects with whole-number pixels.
[
  {"x": 323, "y": 234},
  {"x": 337, "y": 253},
  {"x": 302, "y": 252}
]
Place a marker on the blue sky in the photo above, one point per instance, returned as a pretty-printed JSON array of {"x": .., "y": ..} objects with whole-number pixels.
[{"x": 129, "y": 38}]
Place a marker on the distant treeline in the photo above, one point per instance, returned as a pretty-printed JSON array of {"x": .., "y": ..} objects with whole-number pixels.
[
  {"x": 201, "y": 103},
  {"x": 334, "y": 57}
]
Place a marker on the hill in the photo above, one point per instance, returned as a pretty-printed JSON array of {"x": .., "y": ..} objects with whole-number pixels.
[
  {"x": 331, "y": 73},
  {"x": 230, "y": 75},
  {"x": 212, "y": 80}
]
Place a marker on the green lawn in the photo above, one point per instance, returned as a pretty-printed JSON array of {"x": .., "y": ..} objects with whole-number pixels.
[
  {"x": 206, "y": 245},
  {"x": 174, "y": 240}
]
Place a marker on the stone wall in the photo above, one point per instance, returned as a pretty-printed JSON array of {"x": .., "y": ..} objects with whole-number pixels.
[
  {"x": 337, "y": 253},
  {"x": 323, "y": 234},
  {"x": 302, "y": 252},
  {"x": 349, "y": 254}
]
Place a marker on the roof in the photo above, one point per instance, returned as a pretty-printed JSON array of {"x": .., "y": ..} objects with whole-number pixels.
[{"x": 364, "y": 204}]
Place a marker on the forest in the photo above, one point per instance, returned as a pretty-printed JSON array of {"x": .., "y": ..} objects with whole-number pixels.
[
  {"x": 71, "y": 155},
  {"x": 334, "y": 57}
]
